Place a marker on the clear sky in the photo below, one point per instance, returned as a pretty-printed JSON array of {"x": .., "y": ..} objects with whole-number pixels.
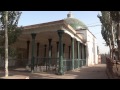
[{"x": 87, "y": 17}]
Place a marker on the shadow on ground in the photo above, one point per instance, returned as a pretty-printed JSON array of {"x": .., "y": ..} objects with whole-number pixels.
[{"x": 94, "y": 72}]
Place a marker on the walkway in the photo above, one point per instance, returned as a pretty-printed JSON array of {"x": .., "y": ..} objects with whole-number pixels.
[{"x": 93, "y": 72}]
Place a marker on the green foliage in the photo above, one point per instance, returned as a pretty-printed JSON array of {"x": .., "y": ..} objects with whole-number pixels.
[
  {"x": 13, "y": 30},
  {"x": 106, "y": 26},
  {"x": 115, "y": 15}
]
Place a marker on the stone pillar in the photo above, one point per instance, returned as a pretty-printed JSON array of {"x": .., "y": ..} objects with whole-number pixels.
[
  {"x": 72, "y": 42},
  {"x": 60, "y": 69},
  {"x": 32, "y": 54}
]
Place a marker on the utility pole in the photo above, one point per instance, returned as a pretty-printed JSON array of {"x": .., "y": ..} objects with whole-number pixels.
[{"x": 6, "y": 43}]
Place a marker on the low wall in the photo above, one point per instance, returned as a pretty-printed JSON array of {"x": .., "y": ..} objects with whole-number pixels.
[{"x": 113, "y": 68}]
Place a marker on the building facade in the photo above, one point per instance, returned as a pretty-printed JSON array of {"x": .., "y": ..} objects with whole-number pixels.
[{"x": 56, "y": 46}]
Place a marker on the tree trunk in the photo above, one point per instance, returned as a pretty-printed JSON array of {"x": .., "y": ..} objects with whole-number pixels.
[
  {"x": 110, "y": 46},
  {"x": 118, "y": 27},
  {"x": 6, "y": 44},
  {"x": 112, "y": 39}
]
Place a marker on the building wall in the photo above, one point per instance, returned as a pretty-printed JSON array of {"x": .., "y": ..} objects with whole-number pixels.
[{"x": 92, "y": 49}]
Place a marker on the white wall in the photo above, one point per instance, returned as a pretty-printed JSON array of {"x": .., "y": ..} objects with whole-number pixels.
[{"x": 91, "y": 48}]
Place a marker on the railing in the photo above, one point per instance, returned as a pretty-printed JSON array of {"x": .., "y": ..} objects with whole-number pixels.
[
  {"x": 67, "y": 65},
  {"x": 46, "y": 64},
  {"x": 14, "y": 62},
  {"x": 76, "y": 63},
  {"x": 82, "y": 62}
]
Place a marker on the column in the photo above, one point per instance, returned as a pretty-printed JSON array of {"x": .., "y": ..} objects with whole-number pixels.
[
  {"x": 82, "y": 54},
  {"x": 28, "y": 43},
  {"x": 63, "y": 51},
  {"x": 83, "y": 51},
  {"x": 78, "y": 53},
  {"x": 57, "y": 49},
  {"x": 45, "y": 50},
  {"x": 69, "y": 51},
  {"x": 57, "y": 62},
  {"x": 37, "y": 53},
  {"x": 60, "y": 69},
  {"x": 45, "y": 61},
  {"x": 49, "y": 53},
  {"x": 77, "y": 49},
  {"x": 72, "y": 41},
  {"x": 32, "y": 54},
  {"x": 85, "y": 54}
]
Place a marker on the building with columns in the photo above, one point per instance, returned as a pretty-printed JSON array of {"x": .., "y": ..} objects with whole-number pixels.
[{"x": 58, "y": 46}]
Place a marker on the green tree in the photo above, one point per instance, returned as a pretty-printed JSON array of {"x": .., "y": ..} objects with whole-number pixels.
[
  {"x": 107, "y": 30},
  {"x": 115, "y": 15},
  {"x": 9, "y": 31},
  {"x": 13, "y": 30}
]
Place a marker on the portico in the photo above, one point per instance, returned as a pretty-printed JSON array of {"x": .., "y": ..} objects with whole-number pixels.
[{"x": 52, "y": 46}]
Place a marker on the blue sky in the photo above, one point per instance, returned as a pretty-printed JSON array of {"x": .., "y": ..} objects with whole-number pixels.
[{"x": 87, "y": 17}]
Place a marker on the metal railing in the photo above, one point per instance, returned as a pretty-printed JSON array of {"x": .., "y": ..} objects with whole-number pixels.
[
  {"x": 67, "y": 65},
  {"x": 46, "y": 64},
  {"x": 14, "y": 62}
]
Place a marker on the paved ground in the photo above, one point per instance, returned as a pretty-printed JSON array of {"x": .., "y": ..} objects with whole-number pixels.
[{"x": 93, "y": 72}]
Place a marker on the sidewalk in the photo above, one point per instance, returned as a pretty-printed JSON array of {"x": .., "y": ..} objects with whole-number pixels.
[{"x": 93, "y": 72}]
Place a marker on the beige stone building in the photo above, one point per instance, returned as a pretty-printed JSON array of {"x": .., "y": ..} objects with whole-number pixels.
[{"x": 56, "y": 46}]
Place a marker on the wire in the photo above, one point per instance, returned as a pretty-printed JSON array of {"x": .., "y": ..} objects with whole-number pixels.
[
  {"x": 98, "y": 33},
  {"x": 93, "y": 25}
]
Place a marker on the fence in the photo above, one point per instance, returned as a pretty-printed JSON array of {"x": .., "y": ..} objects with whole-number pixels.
[
  {"x": 67, "y": 64},
  {"x": 14, "y": 62}
]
